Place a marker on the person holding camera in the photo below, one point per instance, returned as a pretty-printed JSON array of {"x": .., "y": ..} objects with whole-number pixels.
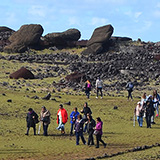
[
  {"x": 73, "y": 117},
  {"x": 45, "y": 120}
]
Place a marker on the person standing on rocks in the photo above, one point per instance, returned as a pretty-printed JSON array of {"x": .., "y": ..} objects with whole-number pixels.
[
  {"x": 45, "y": 120},
  {"x": 129, "y": 87},
  {"x": 73, "y": 117},
  {"x": 31, "y": 119},
  {"x": 87, "y": 88},
  {"x": 99, "y": 86},
  {"x": 62, "y": 118}
]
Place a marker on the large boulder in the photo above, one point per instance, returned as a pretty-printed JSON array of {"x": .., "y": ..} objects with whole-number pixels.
[
  {"x": 5, "y": 33},
  {"x": 62, "y": 39},
  {"x": 99, "y": 38},
  {"x": 22, "y": 73},
  {"x": 26, "y": 36}
]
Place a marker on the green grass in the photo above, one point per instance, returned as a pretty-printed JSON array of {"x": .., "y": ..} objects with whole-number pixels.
[{"x": 119, "y": 133}]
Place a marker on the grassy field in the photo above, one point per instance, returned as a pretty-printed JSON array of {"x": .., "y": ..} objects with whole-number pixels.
[{"x": 119, "y": 133}]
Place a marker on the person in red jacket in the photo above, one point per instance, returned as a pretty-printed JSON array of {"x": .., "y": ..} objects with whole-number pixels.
[{"x": 62, "y": 118}]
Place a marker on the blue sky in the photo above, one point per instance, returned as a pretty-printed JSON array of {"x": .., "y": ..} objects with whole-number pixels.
[{"x": 131, "y": 18}]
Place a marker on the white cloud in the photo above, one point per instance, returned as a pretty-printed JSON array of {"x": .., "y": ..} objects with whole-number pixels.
[
  {"x": 99, "y": 21},
  {"x": 158, "y": 5},
  {"x": 37, "y": 11},
  {"x": 11, "y": 18}
]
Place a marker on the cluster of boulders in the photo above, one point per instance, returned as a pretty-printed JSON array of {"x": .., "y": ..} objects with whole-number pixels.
[
  {"x": 30, "y": 36},
  {"x": 125, "y": 61}
]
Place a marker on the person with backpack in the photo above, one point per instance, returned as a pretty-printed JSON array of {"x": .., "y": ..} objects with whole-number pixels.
[
  {"x": 99, "y": 86},
  {"x": 87, "y": 88},
  {"x": 129, "y": 87},
  {"x": 73, "y": 117},
  {"x": 90, "y": 129},
  {"x": 45, "y": 120},
  {"x": 31, "y": 119},
  {"x": 139, "y": 112},
  {"x": 79, "y": 130}
]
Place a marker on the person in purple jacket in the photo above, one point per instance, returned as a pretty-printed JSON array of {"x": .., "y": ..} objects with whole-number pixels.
[{"x": 99, "y": 134}]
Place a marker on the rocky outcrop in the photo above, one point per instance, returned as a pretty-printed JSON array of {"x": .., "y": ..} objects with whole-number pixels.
[
  {"x": 62, "y": 39},
  {"x": 99, "y": 39},
  {"x": 22, "y": 73},
  {"x": 26, "y": 36},
  {"x": 5, "y": 33}
]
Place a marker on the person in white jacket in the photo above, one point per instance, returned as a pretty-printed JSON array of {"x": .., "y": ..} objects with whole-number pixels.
[{"x": 99, "y": 86}]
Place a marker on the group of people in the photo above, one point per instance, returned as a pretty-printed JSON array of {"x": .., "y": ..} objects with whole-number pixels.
[
  {"x": 79, "y": 123},
  {"x": 99, "y": 87},
  {"x": 146, "y": 108}
]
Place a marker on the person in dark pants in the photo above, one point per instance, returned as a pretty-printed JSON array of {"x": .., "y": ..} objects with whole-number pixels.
[
  {"x": 99, "y": 86},
  {"x": 86, "y": 110},
  {"x": 90, "y": 129},
  {"x": 129, "y": 87},
  {"x": 31, "y": 119},
  {"x": 45, "y": 119},
  {"x": 149, "y": 110},
  {"x": 87, "y": 88},
  {"x": 99, "y": 134},
  {"x": 79, "y": 130},
  {"x": 73, "y": 117}
]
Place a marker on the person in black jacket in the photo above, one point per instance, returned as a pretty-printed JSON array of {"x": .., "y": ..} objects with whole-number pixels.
[
  {"x": 86, "y": 111},
  {"x": 32, "y": 119},
  {"x": 149, "y": 110},
  {"x": 90, "y": 129}
]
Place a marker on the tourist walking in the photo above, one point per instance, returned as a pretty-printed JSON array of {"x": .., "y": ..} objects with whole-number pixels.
[
  {"x": 45, "y": 120},
  {"x": 99, "y": 87},
  {"x": 98, "y": 132},
  {"x": 79, "y": 130},
  {"x": 74, "y": 114},
  {"x": 62, "y": 118},
  {"x": 31, "y": 119},
  {"x": 88, "y": 88},
  {"x": 139, "y": 111},
  {"x": 90, "y": 129},
  {"x": 156, "y": 98},
  {"x": 129, "y": 87},
  {"x": 86, "y": 110}
]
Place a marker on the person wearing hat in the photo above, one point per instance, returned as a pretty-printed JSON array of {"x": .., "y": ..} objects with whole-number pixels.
[
  {"x": 45, "y": 120},
  {"x": 31, "y": 119},
  {"x": 62, "y": 118},
  {"x": 139, "y": 112}
]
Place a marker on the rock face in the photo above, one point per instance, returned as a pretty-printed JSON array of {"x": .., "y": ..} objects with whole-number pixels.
[
  {"x": 5, "y": 33},
  {"x": 99, "y": 38},
  {"x": 62, "y": 39},
  {"x": 26, "y": 36},
  {"x": 22, "y": 73}
]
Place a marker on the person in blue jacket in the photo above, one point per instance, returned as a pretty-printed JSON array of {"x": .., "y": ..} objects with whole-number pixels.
[{"x": 73, "y": 117}]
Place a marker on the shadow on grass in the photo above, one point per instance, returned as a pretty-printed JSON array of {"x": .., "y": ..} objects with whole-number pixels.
[{"x": 10, "y": 151}]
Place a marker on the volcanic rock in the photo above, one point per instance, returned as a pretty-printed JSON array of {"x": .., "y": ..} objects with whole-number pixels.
[
  {"x": 62, "y": 39},
  {"x": 26, "y": 36},
  {"x": 22, "y": 73}
]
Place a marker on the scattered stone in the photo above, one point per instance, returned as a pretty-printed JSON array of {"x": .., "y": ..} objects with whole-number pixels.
[
  {"x": 115, "y": 107},
  {"x": 9, "y": 100},
  {"x": 47, "y": 97}
]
